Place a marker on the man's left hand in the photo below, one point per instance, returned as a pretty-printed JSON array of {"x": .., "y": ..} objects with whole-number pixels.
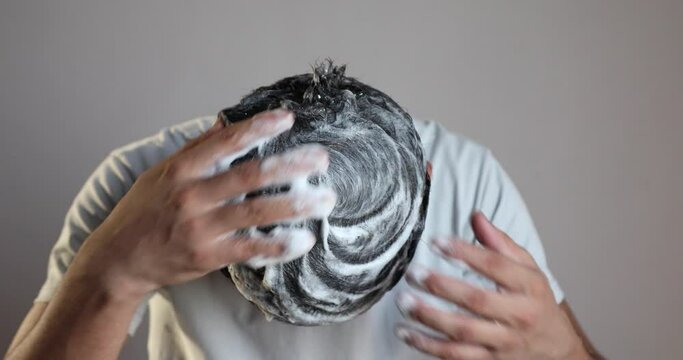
[{"x": 519, "y": 321}]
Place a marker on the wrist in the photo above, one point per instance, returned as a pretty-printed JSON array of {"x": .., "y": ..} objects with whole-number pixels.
[
  {"x": 106, "y": 275},
  {"x": 92, "y": 311},
  {"x": 108, "y": 285},
  {"x": 579, "y": 351}
]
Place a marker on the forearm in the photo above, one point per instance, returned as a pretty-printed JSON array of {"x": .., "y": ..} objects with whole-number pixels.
[
  {"x": 587, "y": 346},
  {"x": 84, "y": 320}
]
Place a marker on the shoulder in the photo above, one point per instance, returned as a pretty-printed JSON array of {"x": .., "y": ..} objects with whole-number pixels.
[
  {"x": 457, "y": 160},
  {"x": 467, "y": 177},
  {"x": 442, "y": 144},
  {"x": 117, "y": 172}
]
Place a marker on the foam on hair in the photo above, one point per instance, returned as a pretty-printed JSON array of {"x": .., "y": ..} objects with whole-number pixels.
[{"x": 378, "y": 170}]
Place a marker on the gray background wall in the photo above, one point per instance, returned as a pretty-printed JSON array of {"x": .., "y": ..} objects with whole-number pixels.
[{"x": 582, "y": 101}]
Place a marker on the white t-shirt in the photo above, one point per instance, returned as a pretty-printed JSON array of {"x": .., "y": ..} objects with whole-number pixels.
[{"x": 208, "y": 318}]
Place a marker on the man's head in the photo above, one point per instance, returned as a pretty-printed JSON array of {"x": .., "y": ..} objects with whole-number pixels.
[{"x": 378, "y": 171}]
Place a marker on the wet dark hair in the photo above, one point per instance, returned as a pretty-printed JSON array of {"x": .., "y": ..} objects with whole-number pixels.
[{"x": 378, "y": 170}]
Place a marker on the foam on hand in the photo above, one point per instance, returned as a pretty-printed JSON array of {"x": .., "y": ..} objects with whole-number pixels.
[{"x": 297, "y": 242}]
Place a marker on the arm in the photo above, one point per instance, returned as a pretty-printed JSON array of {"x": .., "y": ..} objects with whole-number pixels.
[
  {"x": 30, "y": 320},
  {"x": 592, "y": 351},
  {"x": 172, "y": 226},
  {"x": 85, "y": 319}
]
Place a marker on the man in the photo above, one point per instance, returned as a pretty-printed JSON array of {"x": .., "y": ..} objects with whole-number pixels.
[{"x": 150, "y": 226}]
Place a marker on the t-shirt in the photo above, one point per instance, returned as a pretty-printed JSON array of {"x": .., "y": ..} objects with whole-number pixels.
[{"x": 208, "y": 318}]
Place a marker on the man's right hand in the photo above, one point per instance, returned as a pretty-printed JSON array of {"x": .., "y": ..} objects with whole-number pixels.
[{"x": 175, "y": 223}]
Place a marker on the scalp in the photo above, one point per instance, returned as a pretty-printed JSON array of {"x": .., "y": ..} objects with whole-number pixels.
[{"x": 377, "y": 168}]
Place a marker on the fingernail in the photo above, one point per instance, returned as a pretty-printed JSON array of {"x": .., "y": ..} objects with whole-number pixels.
[
  {"x": 274, "y": 120},
  {"x": 310, "y": 155},
  {"x": 417, "y": 274},
  {"x": 316, "y": 202},
  {"x": 326, "y": 200},
  {"x": 443, "y": 245},
  {"x": 403, "y": 333},
  {"x": 447, "y": 247},
  {"x": 218, "y": 123},
  {"x": 297, "y": 243},
  {"x": 482, "y": 215},
  {"x": 406, "y": 302}
]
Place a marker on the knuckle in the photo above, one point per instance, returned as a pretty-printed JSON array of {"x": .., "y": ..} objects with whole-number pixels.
[
  {"x": 462, "y": 332},
  {"x": 263, "y": 176},
  {"x": 237, "y": 180},
  {"x": 527, "y": 258},
  {"x": 235, "y": 138},
  {"x": 434, "y": 284},
  {"x": 272, "y": 249},
  {"x": 191, "y": 228},
  {"x": 539, "y": 285},
  {"x": 250, "y": 175},
  {"x": 419, "y": 314},
  {"x": 254, "y": 211},
  {"x": 250, "y": 248},
  {"x": 175, "y": 170},
  {"x": 511, "y": 341},
  {"x": 494, "y": 262},
  {"x": 526, "y": 319},
  {"x": 197, "y": 257},
  {"x": 228, "y": 135},
  {"x": 261, "y": 248},
  {"x": 183, "y": 197},
  {"x": 452, "y": 352},
  {"x": 476, "y": 299}
]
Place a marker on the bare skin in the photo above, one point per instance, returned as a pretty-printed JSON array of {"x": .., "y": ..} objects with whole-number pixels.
[
  {"x": 172, "y": 210},
  {"x": 171, "y": 227},
  {"x": 519, "y": 321}
]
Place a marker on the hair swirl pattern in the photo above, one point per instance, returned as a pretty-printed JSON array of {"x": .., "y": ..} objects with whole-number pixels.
[{"x": 378, "y": 171}]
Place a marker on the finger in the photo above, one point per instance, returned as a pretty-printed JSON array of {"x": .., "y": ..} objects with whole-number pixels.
[
  {"x": 259, "y": 251},
  {"x": 217, "y": 125},
  {"x": 489, "y": 304},
  {"x": 255, "y": 174},
  {"x": 267, "y": 210},
  {"x": 506, "y": 272},
  {"x": 230, "y": 141},
  {"x": 441, "y": 348},
  {"x": 492, "y": 237},
  {"x": 457, "y": 327}
]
